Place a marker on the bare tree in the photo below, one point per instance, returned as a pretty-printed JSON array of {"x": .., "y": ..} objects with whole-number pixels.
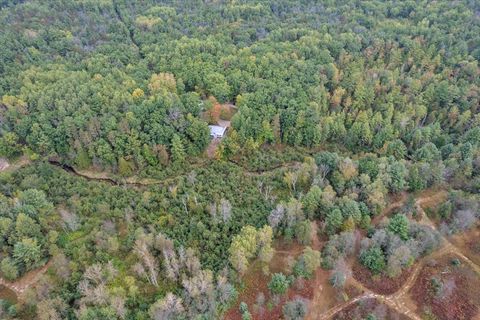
[
  {"x": 295, "y": 309},
  {"x": 188, "y": 261},
  {"x": 399, "y": 259},
  {"x": 61, "y": 266},
  {"x": 225, "y": 210},
  {"x": 212, "y": 209},
  {"x": 265, "y": 190},
  {"x": 93, "y": 288},
  {"x": 463, "y": 220},
  {"x": 276, "y": 216},
  {"x": 168, "y": 308},
  {"x": 118, "y": 304},
  {"x": 148, "y": 260},
  {"x": 199, "y": 294},
  {"x": 70, "y": 219},
  {"x": 340, "y": 273},
  {"x": 225, "y": 291},
  {"x": 260, "y": 303},
  {"x": 50, "y": 309}
]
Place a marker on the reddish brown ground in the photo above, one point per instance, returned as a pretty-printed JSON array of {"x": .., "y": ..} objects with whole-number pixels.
[
  {"x": 19, "y": 286},
  {"x": 426, "y": 199},
  {"x": 459, "y": 297},
  {"x": 361, "y": 309},
  {"x": 7, "y": 294},
  {"x": 255, "y": 282},
  {"x": 212, "y": 148},
  {"x": 380, "y": 284},
  {"x": 469, "y": 243},
  {"x": 317, "y": 290}
]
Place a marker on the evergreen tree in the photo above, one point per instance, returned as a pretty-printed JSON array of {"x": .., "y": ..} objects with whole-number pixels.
[{"x": 177, "y": 149}]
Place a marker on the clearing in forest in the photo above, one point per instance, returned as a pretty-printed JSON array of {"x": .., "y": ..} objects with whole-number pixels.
[{"x": 447, "y": 289}]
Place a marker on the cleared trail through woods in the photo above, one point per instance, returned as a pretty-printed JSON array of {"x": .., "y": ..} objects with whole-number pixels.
[
  {"x": 26, "y": 281},
  {"x": 398, "y": 300},
  {"x": 146, "y": 182}
]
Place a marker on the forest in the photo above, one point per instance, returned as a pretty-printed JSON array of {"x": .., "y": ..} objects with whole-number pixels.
[{"x": 352, "y": 155}]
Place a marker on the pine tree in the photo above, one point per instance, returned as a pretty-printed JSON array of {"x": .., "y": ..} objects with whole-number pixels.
[{"x": 177, "y": 149}]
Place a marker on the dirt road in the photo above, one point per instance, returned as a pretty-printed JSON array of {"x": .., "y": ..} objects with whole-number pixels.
[{"x": 399, "y": 300}]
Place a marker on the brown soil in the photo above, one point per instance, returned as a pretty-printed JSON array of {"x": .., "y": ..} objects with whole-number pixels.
[
  {"x": 458, "y": 297},
  {"x": 380, "y": 284},
  {"x": 361, "y": 309},
  {"x": 6, "y": 166},
  {"x": 431, "y": 198},
  {"x": 212, "y": 148},
  {"x": 256, "y": 282},
  {"x": 7, "y": 294},
  {"x": 395, "y": 202},
  {"x": 317, "y": 289},
  {"x": 326, "y": 297},
  {"x": 469, "y": 243},
  {"x": 27, "y": 280},
  {"x": 426, "y": 199}
]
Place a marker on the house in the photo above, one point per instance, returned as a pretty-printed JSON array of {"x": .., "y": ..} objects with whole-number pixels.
[{"x": 217, "y": 131}]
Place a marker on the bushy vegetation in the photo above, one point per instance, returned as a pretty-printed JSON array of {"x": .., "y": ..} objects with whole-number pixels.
[
  {"x": 396, "y": 246},
  {"x": 28, "y": 228},
  {"x": 338, "y": 105}
]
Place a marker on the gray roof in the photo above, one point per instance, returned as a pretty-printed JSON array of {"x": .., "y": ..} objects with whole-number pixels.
[{"x": 217, "y": 130}]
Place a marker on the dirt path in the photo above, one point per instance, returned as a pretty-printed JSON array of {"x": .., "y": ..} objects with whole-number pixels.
[
  {"x": 26, "y": 281},
  {"x": 399, "y": 301},
  {"x": 6, "y": 166},
  {"x": 321, "y": 279},
  {"x": 145, "y": 182},
  {"x": 448, "y": 246}
]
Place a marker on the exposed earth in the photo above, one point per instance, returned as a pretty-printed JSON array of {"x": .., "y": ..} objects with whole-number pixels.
[
  {"x": 398, "y": 299},
  {"x": 395, "y": 301}
]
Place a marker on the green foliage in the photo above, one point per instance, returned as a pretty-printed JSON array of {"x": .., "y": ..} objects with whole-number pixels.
[
  {"x": 178, "y": 152},
  {"x": 303, "y": 232},
  {"x": 279, "y": 284},
  {"x": 307, "y": 263},
  {"x": 397, "y": 149},
  {"x": 389, "y": 89},
  {"x": 398, "y": 224},
  {"x": 333, "y": 220},
  {"x": 9, "y": 269},
  {"x": 26, "y": 224},
  {"x": 244, "y": 311},
  {"x": 124, "y": 167},
  {"x": 83, "y": 160},
  {"x": 9, "y": 145},
  {"x": 397, "y": 173},
  {"x": 374, "y": 259},
  {"x": 311, "y": 202},
  {"x": 27, "y": 253}
]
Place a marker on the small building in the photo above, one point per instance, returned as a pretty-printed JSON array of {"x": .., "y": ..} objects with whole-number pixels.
[{"x": 217, "y": 131}]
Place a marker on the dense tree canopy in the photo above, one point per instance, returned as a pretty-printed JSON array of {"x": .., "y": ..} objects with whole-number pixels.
[{"x": 334, "y": 106}]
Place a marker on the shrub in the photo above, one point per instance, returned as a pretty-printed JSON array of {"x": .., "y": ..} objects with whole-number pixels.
[
  {"x": 279, "y": 284},
  {"x": 374, "y": 259},
  {"x": 398, "y": 224},
  {"x": 295, "y": 309}
]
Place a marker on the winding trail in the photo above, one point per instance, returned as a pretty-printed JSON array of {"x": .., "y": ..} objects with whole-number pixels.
[
  {"x": 145, "y": 182},
  {"x": 26, "y": 281},
  {"x": 10, "y": 167},
  {"x": 398, "y": 301},
  {"x": 130, "y": 30}
]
